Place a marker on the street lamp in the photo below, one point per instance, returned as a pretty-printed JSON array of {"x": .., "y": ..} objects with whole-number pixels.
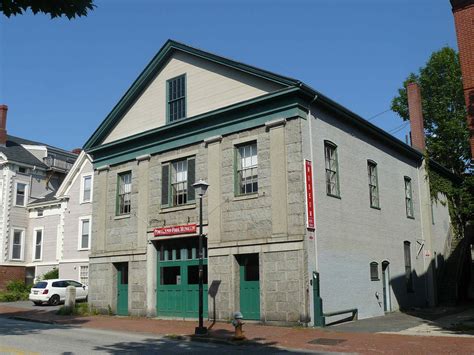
[{"x": 201, "y": 188}]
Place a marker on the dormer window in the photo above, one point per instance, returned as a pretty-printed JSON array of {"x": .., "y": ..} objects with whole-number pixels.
[{"x": 176, "y": 96}]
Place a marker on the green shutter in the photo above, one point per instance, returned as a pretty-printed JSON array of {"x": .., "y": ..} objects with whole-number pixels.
[
  {"x": 165, "y": 183},
  {"x": 117, "y": 196},
  {"x": 236, "y": 177},
  {"x": 191, "y": 178}
]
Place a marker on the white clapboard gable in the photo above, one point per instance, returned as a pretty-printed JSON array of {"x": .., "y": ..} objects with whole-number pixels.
[{"x": 209, "y": 86}]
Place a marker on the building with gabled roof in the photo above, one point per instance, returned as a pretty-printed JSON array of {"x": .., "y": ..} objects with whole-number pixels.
[
  {"x": 311, "y": 210},
  {"x": 30, "y": 174}
]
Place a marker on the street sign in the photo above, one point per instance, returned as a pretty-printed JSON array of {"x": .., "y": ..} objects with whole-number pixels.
[{"x": 174, "y": 230}]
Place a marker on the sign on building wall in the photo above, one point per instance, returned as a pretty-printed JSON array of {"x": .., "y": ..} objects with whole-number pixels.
[
  {"x": 308, "y": 167},
  {"x": 174, "y": 230}
]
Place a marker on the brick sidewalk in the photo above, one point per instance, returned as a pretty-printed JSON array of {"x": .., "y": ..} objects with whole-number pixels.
[{"x": 292, "y": 338}]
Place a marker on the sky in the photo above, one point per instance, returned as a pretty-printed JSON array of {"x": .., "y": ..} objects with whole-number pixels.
[{"x": 60, "y": 78}]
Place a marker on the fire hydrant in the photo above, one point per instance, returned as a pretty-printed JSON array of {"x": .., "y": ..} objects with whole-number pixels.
[{"x": 237, "y": 323}]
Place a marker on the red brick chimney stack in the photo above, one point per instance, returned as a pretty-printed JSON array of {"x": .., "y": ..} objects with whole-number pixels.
[
  {"x": 3, "y": 124},
  {"x": 416, "y": 116},
  {"x": 463, "y": 11},
  {"x": 77, "y": 151}
]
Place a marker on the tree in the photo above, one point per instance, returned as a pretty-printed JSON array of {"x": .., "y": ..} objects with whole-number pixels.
[
  {"x": 55, "y": 8},
  {"x": 447, "y": 135}
]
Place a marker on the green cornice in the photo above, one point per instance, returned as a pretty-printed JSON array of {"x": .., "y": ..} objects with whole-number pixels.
[
  {"x": 151, "y": 70},
  {"x": 253, "y": 113}
]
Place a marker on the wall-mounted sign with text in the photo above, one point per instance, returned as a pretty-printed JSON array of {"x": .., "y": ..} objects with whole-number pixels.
[
  {"x": 174, "y": 230},
  {"x": 309, "y": 194}
]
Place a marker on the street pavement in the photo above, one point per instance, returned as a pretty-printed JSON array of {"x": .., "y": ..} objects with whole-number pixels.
[
  {"x": 22, "y": 337},
  {"x": 261, "y": 338}
]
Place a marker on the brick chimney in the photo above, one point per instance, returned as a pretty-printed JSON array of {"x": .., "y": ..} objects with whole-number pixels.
[
  {"x": 463, "y": 11},
  {"x": 3, "y": 125},
  {"x": 416, "y": 116},
  {"x": 77, "y": 151}
]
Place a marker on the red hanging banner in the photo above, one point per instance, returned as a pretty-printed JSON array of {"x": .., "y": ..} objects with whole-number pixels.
[
  {"x": 309, "y": 194},
  {"x": 184, "y": 229}
]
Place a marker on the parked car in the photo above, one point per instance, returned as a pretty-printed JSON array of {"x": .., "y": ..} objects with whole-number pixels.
[{"x": 54, "y": 291}]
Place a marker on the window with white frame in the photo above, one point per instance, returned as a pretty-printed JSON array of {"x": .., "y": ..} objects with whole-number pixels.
[
  {"x": 86, "y": 191},
  {"x": 84, "y": 275},
  {"x": 20, "y": 194},
  {"x": 246, "y": 169},
  {"x": 38, "y": 244},
  {"x": 177, "y": 182},
  {"x": 17, "y": 244},
  {"x": 124, "y": 193},
  {"x": 332, "y": 169},
  {"x": 84, "y": 232}
]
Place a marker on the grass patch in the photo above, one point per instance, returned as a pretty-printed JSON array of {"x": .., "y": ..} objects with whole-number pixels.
[{"x": 80, "y": 309}]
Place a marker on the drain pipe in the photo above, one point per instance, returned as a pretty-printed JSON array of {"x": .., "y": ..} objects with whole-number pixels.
[{"x": 310, "y": 126}]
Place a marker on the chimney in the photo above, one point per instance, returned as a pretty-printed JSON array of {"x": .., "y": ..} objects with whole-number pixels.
[
  {"x": 77, "y": 151},
  {"x": 463, "y": 11},
  {"x": 3, "y": 125},
  {"x": 416, "y": 116}
]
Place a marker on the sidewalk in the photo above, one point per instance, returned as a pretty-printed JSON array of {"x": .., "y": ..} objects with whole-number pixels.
[{"x": 323, "y": 340}]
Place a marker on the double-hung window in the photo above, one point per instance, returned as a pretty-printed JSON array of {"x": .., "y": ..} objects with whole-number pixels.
[
  {"x": 332, "y": 169},
  {"x": 246, "y": 169},
  {"x": 408, "y": 273},
  {"x": 408, "y": 198},
  {"x": 177, "y": 182},
  {"x": 38, "y": 244},
  {"x": 21, "y": 192},
  {"x": 17, "y": 244},
  {"x": 124, "y": 193},
  {"x": 176, "y": 93},
  {"x": 86, "y": 191},
  {"x": 84, "y": 232},
  {"x": 373, "y": 184}
]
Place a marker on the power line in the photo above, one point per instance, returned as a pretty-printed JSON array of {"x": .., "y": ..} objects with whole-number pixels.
[
  {"x": 399, "y": 128},
  {"x": 377, "y": 115}
]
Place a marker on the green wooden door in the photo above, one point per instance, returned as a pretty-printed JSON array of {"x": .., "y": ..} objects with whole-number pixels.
[
  {"x": 249, "y": 286},
  {"x": 178, "y": 281},
  {"x": 122, "y": 289}
]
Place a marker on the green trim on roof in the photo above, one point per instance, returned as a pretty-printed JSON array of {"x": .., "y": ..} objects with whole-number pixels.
[
  {"x": 195, "y": 130},
  {"x": 149, "y": 73}
]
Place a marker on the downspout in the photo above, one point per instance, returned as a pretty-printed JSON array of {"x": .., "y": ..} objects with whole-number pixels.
[{"x": 310, "y": 274}]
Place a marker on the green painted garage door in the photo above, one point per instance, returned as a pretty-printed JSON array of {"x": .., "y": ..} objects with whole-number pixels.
[{"x": 178, "y": 279}]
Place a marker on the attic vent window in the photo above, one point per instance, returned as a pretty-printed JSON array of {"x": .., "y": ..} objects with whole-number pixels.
[{"x": 176, "y": 95}]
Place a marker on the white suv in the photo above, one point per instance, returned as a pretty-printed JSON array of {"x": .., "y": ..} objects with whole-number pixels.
[{"x": 54, "y": 291}]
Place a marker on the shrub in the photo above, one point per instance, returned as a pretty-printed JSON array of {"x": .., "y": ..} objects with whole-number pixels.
[
  {"x": 18, "y": 286},
  {"x": 52, "y": 274},
  {"x": 16, "y": 291}
]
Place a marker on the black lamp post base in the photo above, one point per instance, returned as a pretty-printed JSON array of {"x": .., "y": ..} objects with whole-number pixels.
[{"x": 200, "y": 331}]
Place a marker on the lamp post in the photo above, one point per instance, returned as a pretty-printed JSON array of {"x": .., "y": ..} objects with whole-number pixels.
[{"x": 201, "y": 188}]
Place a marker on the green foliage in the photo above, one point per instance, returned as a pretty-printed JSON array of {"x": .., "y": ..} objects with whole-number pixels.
[
  {"x": 447, "y": 136},
  {"x": 52, "y": 274},
  {"x": 55, "y": 8},
  {"x": 80, "y": 309},
  {"x": 444, "y": 109},
  {"x": 18, "y": 286},
  {"x": 16, "y": 291}
]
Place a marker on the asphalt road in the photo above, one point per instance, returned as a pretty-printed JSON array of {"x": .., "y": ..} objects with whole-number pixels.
[
  {"x": 20, "y": 337},
  {"x": 31, "y": 305}
]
